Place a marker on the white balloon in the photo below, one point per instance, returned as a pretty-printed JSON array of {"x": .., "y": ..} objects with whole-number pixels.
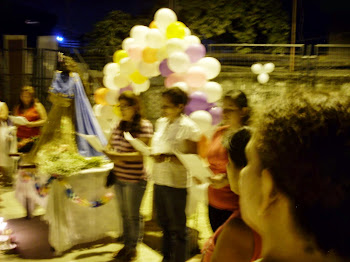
[
  {"x": 269, "y": 67},
  {"x": 121, "y": 80},
  {"x": 203, "y": 119},
  {"x": 127, "y": 42},
  {"x": 213, "y": 91},
  {"x": 107, "y": 113},
  {"x": 149, "y": 70},
  {"x": 139, "y": 88},
  {"x": 178, "y": 62},
  {"x": 257, "y": 68},
  {"x": 187, "y": 31},
  {"x": 263, "y": 78},
  {"x": 211, "y": 66},
  {"x": 192, "y": 39},
  {"x": 97, "y": 110},
  {"x": 108, "y": 81},
  {"x": 127, "y": 66},
  {"x": 112, "y": 97},
  {"x": 111, "y": 69},
  {"x": 154, "y": 38},
  {"x": 139, "y": 32},
  {"x": 175, "y": 45},
  {"x": 182, "y": 85},
  {"x": 162, "y": 53},
  {"x": 164, "y": 17}
]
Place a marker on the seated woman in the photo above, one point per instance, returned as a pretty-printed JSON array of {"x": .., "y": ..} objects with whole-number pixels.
[
  {"x": 35, "y": 113},
  {"x": 295, "y": 189},
  {"x": 234, "y": 240}
]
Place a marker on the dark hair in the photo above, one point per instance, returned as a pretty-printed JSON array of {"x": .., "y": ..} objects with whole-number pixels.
[
  {"x": 240, "y": 99},
  {"x": 176, "y": 96},
  {"x": 21, "y": 105},
  {"x": 236, "y": 146},
  {"x": 135, "y": 125},
  {"x": 304, "y": 141}
]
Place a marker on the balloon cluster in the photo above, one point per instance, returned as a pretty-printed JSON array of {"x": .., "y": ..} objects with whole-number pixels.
[
  {"x": 263, "y": 71},
  {"x": 167, "y": 48}
]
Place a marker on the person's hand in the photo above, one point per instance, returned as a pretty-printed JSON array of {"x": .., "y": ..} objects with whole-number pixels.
[{"x": 219, "y": 180}]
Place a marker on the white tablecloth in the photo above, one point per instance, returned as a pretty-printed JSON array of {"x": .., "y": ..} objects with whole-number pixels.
[{"x": 71, "y": 223}]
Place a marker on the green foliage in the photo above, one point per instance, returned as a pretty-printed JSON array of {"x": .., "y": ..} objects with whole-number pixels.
[{"x": 66, "y": 163}]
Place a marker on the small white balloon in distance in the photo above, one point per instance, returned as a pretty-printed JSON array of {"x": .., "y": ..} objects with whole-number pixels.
[
  {"x": 263, "y": 78},
  {"x": 213, "y": 91},
  {"x": 127, "y": 42},
  {"x": 203, "y": 119},
  {"x": 211, "y": 65},
  {"x": 178, "y": 62},
  {"x": 182, "y": 85},
  {"x": 112, "y": 97},
  {"x": 257, "y": 68},
  {"x": 187, "y": 31},
  {"x": 149, "y": 70},
  {"x": 164, "y": 17},
  {"x": 107, "y": 113},
  {"x": 139, "y": 32},
  {"x": 154, "y": 38},
  {"x": 111, "y": 69},
  {"x": 139, "y": 88},
  {"x": 269, "y": 67},
  {"x": 108, "y": 81},
  {"x": 127, "y": 66},
  {"x": 175, "y": 45}
]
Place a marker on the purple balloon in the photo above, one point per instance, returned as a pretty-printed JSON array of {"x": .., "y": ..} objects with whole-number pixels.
[
  {"x": 216, "y": 114},
  {"x": 195, "y": 52},
  {"x": 164, "y": 69},
  {"x": 127, "y": 88},
  {"x": 198, "y": 101}
]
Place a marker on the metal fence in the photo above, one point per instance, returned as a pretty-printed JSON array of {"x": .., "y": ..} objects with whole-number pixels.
[{"x": 310, "y": 65}]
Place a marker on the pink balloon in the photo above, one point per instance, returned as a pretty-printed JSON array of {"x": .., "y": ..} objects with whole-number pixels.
[
  {"x": 216, "y": 113},
  {"x": 164, "y": 69},
  {"x": 195, "y": 52},
  {"x": 196, "y": 77},
  {"x": 135, "y": 52},
  {"x": 174, "y": 78}
]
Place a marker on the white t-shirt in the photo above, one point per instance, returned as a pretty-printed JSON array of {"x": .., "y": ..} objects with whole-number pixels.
[{"x": 167, "y": 138}]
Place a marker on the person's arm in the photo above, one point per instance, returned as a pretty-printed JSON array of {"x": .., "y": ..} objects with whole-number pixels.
[
  {"x": 116, "y": 156},
  {"x": 43, "y": 116},
  {"x": 4, "y": 112},
  {"x": 235, "y": 243}
]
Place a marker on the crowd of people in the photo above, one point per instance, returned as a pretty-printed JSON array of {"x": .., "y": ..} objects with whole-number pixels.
[{"x": 280, "y": 189}]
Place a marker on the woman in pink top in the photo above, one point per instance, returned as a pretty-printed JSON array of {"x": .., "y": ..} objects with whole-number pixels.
[{"x": 222, "y": 201}]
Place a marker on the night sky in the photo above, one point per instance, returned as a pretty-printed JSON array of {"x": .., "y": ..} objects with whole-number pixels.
[{"x": 316, "y": 18}]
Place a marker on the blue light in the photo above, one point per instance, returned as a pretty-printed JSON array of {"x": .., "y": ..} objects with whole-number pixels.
[{"x": 59, "y": 38}]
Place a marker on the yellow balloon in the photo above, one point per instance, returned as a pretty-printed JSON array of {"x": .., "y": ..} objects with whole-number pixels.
[
  {"x": 153, "y": 25},
  {"x": 176, "y": 30},
  {"x": 100, "y": 95},
  {"x": 116, "y": 111},
  {"x": 149, "y": 55},
  {"x": 137, "y": 78},
  {"x": 119, "y": 55}
]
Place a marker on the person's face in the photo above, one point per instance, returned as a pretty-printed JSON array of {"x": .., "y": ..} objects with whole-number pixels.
[
  {"x": 126, "y": 110},
  {"x": 231, "y": 113},
  {"x": 249, "y": 187},
  {"x": 170, "y": 110},
  {"x": 233, "y": 176},
  {"x": 26, "y": 98}
]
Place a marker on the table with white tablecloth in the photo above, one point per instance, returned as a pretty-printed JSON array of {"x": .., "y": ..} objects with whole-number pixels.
[{"x": 71, "y": 223}]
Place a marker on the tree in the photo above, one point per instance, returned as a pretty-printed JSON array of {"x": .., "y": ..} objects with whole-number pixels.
[{"x": 109, "y": 33}]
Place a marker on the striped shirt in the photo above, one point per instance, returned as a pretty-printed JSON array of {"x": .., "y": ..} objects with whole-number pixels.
[{"x": 131, "y": 171}]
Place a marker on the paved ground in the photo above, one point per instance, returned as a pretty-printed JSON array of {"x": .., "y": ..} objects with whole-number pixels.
[{"x": 100, "y": 252}]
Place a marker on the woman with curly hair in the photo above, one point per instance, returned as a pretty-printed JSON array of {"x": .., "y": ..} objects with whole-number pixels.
[{"x": 295, "y": 189}]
